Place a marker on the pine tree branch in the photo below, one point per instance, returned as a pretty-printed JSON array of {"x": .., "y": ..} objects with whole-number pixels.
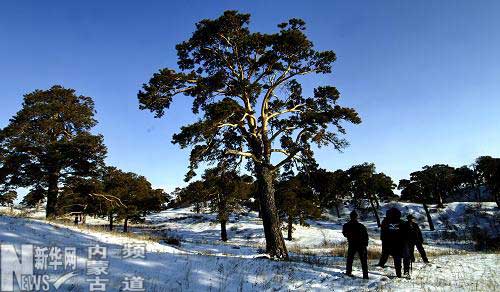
[
  {"x": 286, "y": 160},
  {"x": 243, "y": 154},
  {"x": 290, "y": 110}
]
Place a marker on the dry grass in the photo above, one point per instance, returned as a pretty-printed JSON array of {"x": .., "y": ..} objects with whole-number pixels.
[
  {"x": 105, "y": 230},
  {"x": 20, "y": 213},
  {"x": 84, "y": 227},
  {"x": 340, "y": 250},
  {"x": 374, "y": 251}
]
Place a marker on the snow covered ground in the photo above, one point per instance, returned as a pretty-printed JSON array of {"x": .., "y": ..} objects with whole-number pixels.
[
  {"x": 203, "y": 263},
  {"x": 470, "y": 272}
]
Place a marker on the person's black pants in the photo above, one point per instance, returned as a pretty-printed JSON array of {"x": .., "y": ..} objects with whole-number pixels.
[
  {"x": 383, "y": 258},
  {"x": 397, "y": 264},
  {"x": 363, "y": 256},
  {"x": 421, "y": 251}
]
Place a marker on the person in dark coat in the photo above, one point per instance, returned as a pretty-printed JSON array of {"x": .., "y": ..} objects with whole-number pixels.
[
  {"x": 385, "y": 255},
  {"x": 415, "y": 239},
  {"x": 395, "y": 237},
  {"x": 357, "y": 238}
]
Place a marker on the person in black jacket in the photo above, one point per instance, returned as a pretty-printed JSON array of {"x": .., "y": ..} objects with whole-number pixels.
[
  {"x": 415, "y": 239},
  {"x": 357, "y": 238},
  {"x": 395, "y": 237},
  {"x": 385, "y": 254}
]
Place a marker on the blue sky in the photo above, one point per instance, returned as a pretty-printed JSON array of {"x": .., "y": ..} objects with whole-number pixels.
[{"x": 424, "y": 75}]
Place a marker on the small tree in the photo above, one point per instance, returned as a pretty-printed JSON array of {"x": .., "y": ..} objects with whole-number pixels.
[
  {"x": 429, "y": 185},
  {"x": 247, "y": 88},
  {"x": 414, "y": 190},
  {"x": 222, "y": 189},
  {"x": 296, "y": 199},
  {"x": 439, "y": 181},
  {"x": 193, "y": 194},
  {"x": 332, "y": 187},
  {"x": 225, "y": 190},
  {"x": 130, "y": 196},
  {"x": 48, "y": 141},
  {"x": 383, "y": 188},
  {"x": 84, "y": 196},
  {"x": 489, "y": 175},
  {"x": 34, "y": 198},
  {"x": 465, "y": 181},
  {"x": 8, "y": 198},
  {"x": 369, "y": 185}
]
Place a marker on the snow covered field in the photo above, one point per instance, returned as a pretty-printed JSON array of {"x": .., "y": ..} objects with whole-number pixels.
[{"x": 203, "y": 263}]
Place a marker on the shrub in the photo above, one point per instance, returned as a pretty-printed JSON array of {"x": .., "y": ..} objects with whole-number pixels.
[
  {"x": 484, "y": 241},
  {"x": 172, "y": 240}
]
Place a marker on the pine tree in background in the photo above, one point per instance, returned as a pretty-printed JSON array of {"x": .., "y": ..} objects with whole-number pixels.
[
  {"x": 49, "y": 141},
  {"x": 84, "y": 196},
  {"x": 246, "y": 88},
  {"x": 488, "y": 169},
  {"x": 223, "y": 191},
  {"x": 34, "y": 198},
  {"x": 368, "y": 185},
  {"x": 439, "y": 181},
  {"x": 414, "y": 190},
  {"x": 8, "y": 198},
  {"x": 129, "y": 197},
  {"x": 226, "y": 191},
  {"x": 193, "y": 194},
  {"x": 465, "y": 181},
  {"x": 296, "y": 200},
  {"x": 333, "y": 188},
  {"x": 431, "y": 185}
]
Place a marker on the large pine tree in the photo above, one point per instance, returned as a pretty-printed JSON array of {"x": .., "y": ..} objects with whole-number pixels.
[
  {"x": 48, "y": 141},
  {"x": 246, "y": 88}
]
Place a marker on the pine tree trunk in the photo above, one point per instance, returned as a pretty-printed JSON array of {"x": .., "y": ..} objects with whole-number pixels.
[
  {"x": 275, "y": 244},
  {"x": 440, "y": 201},
  {"x": 376, "y": 202},
  {"x": 429, "y": 218},
  {"x": 338, "y": 211},
  {"x": 52, "y": 193},
  {"x": 223, "y": 230},
  {"x": 375, "y": 212},
  {"x": 290, "y": 227},
  {"x": 125, "y": 224},
  {"x": 223, "y": 215},
  {"x": 110, "y": 221},
  {"x": 497, "y": 199}
]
